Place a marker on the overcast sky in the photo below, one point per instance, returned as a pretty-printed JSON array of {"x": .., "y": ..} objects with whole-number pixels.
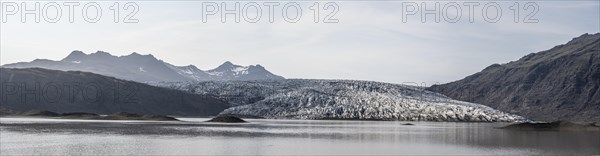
[{"x": 370, "y": 41}]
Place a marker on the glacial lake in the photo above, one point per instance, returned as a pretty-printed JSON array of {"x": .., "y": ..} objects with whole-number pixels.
[{"x": 192, "y": 136}]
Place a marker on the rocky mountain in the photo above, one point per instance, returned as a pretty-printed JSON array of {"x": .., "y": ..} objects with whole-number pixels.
[
  {"x": 339, "y": 99},
  {"x": 145, "y": 68},
  {"x": 562, "y": 83},
  {"x": 231, "y": 71},
  {"x": 75, "y": 91}
]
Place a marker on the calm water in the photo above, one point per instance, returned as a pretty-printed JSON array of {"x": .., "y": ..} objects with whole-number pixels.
[{"x": 275, "y": 137}]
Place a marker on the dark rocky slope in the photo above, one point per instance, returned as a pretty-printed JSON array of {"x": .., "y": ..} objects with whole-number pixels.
[
  {"x": 59, "y": 91},
  {"x": 562, "y": 83}
]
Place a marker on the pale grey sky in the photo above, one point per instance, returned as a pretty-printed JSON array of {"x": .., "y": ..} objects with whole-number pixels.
[{"x": 370, "y": 41}]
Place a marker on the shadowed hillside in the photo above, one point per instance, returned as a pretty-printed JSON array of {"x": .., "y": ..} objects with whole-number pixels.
[
  {"x": 562, "y": 83},
  {"x": 59, "y": 91}
]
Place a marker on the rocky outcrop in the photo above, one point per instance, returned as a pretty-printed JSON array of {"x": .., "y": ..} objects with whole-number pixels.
[{"x": 227, "y": 119}]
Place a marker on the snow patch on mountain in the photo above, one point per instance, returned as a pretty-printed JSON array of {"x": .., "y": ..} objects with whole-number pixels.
[
  {"x": 240, "y": 70},
  {"x": 191, "y": 72},
  {"x": 226, "y": 71},
  {"x": 215, "y": 73}
]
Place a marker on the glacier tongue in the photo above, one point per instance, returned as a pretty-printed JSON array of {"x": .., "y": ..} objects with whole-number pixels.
[{"x": 341, "y": 99}]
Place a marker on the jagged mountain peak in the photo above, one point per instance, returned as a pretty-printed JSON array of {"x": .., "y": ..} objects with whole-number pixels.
[
  {"x": 232, "y": 71},
  {"x": 136, "y": 54},
  {"x": 101, "y": 54},
  {"x": 78, "y": 56},
  {"x": 75, "y": 55},
  {"x": 227, "y": 65},
  {"x": 258, "y": 66},
  {"x": 192, "y": 66}
]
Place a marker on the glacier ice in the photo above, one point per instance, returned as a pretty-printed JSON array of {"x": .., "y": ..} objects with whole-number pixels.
[{"x": 340, "y": 99}]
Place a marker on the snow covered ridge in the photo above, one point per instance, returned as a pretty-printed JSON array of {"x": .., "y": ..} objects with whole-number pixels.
[{"x": 340, "y": 99}]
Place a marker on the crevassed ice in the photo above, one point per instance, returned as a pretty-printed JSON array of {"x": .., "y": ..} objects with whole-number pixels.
[{"x": 340, "y": 99}]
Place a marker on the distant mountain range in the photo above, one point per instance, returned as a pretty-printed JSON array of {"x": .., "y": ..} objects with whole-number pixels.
[
  {"x": 144, "y": 68},
  {"x": 75, "y": 91},
  {"x": 562, "y": 83}
]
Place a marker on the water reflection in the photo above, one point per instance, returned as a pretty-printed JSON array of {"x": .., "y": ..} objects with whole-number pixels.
[{"x": 273, "y": 137}]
